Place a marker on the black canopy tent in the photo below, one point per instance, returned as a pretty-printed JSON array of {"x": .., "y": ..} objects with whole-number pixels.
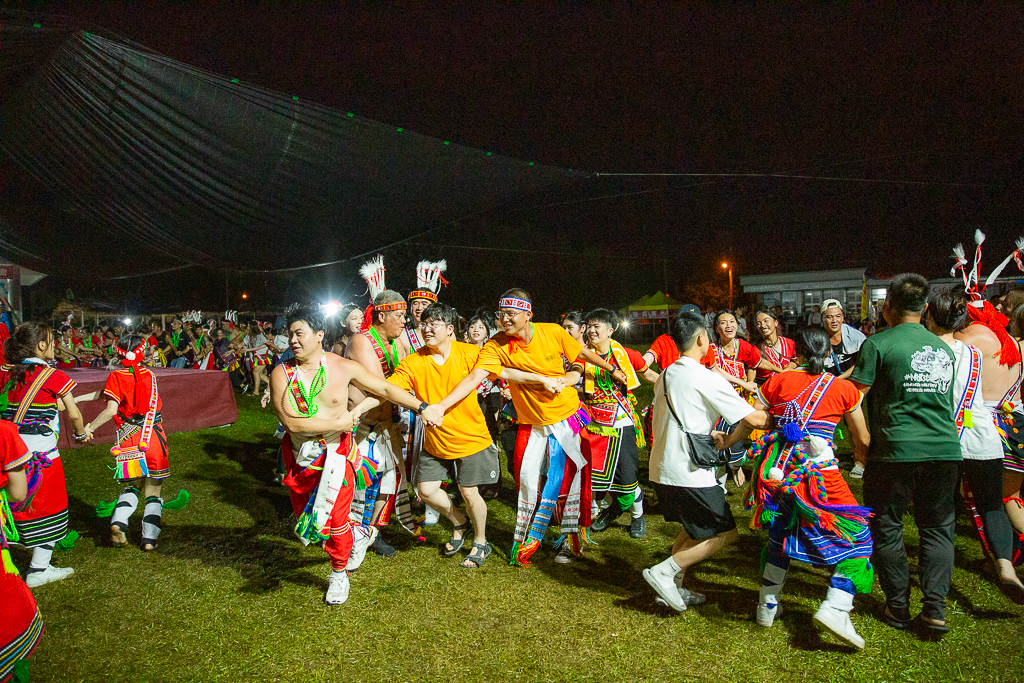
[{"x": 120, "y": 151}]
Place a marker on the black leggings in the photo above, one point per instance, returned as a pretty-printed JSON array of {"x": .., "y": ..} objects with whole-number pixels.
[{"x": 985, "y": 477}]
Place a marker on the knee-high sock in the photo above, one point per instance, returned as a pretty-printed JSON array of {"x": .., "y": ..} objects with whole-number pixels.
[
  {"x": 840, "y": 592},
  {"x": 637, "y": 508},
  {"x": 151, "y": 518},
  {"x": 40, "y": 558},
  {"x": 127, "y": 502},
  {"x": 775, "y": 571}
]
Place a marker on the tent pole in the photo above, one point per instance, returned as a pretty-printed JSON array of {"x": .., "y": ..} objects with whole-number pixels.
[
  {"x": 227, "y": 293},
  {"x": 83, "y": 319}
]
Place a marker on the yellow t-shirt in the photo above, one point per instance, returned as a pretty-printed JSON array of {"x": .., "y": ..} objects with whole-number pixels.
[
  {"x": 543, "y": 356},
  {"x": 463, "y": 431}
]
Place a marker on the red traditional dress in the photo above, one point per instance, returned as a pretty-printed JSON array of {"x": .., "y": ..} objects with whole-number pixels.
[
  {"x": 21, "y": 625},
  {"x": 734, "y": 359},
  {"x": 42, "y": 518},
  {"x": 779, "y": 357},
  {"x": 135, "y": 391}
]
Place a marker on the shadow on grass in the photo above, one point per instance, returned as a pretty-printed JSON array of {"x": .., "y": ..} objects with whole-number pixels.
[{"x": 264, "y": 563}]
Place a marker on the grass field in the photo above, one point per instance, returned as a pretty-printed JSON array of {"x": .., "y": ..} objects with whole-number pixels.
[{"x": 230, "y": 595}]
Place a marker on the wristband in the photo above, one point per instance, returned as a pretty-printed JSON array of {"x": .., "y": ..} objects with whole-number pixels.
[{"x": 423, "y": 406}]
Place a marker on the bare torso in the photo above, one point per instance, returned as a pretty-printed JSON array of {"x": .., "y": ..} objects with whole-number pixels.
[
  {"x": 332, "y": 401},
  {"x": 360, "y": 350},
  {"x": 996, "y": 379}
]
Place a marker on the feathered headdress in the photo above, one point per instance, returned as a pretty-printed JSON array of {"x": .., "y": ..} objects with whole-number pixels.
[
  {"x": 983, "y": 312},
  {"x": 429, "y": 280},
  {"x": 373, "y": 272}
]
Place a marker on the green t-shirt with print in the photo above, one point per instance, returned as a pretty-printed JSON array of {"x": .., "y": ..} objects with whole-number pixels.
[{"x": 910, "y": 405}]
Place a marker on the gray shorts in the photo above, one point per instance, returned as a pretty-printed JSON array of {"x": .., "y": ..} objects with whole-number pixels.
[{"x": 471, "y": 470}]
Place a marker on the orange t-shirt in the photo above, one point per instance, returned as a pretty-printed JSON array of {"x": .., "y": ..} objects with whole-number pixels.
[
  {"x": 543, "y": 356},
  {"x": 464, "y": 431}
]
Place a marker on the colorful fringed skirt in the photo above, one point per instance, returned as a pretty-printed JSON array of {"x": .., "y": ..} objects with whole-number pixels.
[
  {"x": 614, "y": 460},
  {"x": 42, "y": 518},
  {"x": 157, "y": 462},
  {"x": 826, "y": 534}
]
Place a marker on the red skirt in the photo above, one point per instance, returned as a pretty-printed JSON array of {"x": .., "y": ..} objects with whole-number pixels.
[
  {"x": 157, "y": 463},
  {"x": 21, "y": 626},
  {"x": 44, "y": 518}
]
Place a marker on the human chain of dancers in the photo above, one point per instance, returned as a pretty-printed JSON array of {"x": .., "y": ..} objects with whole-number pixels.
[{"x": 390, "y": 416}]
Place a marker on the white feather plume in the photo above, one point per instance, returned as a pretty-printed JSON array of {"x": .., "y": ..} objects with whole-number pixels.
[
  {"x": 428, "y": 274},
  {"x": 979, "y": 237},
  {"x": 1006, "y": 261},
  {"x": 958, "y": 252},
  {"x": 373, "y": 272}
]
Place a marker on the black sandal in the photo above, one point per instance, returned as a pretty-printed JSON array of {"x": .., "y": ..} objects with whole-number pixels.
[
  {"x": 456, "y": 544},
  {"x": 481, "y": 551}
]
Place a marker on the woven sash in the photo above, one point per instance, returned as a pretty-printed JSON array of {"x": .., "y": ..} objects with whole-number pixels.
[
  {"x": 967, "y": 399},
  {"x": 31, "y": 392}
]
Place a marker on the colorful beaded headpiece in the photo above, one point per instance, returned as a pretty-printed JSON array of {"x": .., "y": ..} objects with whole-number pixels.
[
  {"x": 429, "y": 280},
  {"x": 133, "y": 357}
]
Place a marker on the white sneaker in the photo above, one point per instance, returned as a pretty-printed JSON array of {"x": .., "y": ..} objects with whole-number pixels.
[
  {"x": 48, "y": 575},
  {"x": 838, "y": 621},
  {"x": 766, "y": 614},
  {"x": 337, "y": 588},
  {"x": 666, "y": 589},
  {"x": 857, "y": 472},
  {"x": 690, "y": 598},
  {"x": 361, "y": 541},
  {"x": 430, "y": 516}
]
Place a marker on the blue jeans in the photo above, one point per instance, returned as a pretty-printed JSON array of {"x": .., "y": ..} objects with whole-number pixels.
[{"x": 178, "y": 362}]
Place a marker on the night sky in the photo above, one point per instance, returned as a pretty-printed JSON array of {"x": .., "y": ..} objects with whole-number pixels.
[{"x": 916, "y": 94}]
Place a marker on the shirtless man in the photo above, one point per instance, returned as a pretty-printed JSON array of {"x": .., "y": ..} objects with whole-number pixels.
[
  {"x": 378, "y": 350},
  {"x": 1000, "y": 387},
  {"x": 310, "y": 394}
]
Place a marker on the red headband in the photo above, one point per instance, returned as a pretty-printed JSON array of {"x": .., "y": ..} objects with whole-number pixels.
[{"x": 130, "y": 358}]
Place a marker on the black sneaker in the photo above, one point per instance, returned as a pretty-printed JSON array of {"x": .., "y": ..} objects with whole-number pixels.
[
  {"x": 381, "y": 547},
  {"x": 637, "y": 527},
  {"x": 607, "y": 516}
]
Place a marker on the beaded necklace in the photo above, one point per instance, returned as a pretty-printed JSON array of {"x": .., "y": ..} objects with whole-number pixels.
[
  {"x": 393, "y": 356},
  {"x": 301, "y": 399}
]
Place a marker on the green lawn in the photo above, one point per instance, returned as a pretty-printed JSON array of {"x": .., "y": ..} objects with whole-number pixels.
[{"x": 231, "y": 596}]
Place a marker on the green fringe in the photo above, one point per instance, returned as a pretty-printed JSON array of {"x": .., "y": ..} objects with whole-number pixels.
[
  {"x": 859, "y": 571},
  {"x": 601, "y": 430},
  {"x": 306, "y": 530},
  {"x": 68, "y": 542},
  {"x": 20, "y": 671},
  {"x": 8, "y": 563},
  {"x": 105, "y": 509},
  {"x": 178, "y": 503}
]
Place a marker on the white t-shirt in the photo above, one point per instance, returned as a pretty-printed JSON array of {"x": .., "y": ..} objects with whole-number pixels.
[
  {"x": 981, "y": 441},
  {"x": 258, "y": 343},
  {"x": 281, "y": 342},
  {"x": 699, "y": 397}
]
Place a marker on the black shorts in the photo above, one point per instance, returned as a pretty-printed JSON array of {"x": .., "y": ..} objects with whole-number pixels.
[{"x": 703, "y": 512}]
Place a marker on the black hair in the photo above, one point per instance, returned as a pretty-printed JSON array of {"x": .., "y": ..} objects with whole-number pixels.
[
  {"x": 346, "y": 311},
  {"x": 603, "y": 315},
  {"x": 685, "y": 330},
  {"x": 768, "y": 312},
  {"x": 21, "y": 346},
  {"x": 517, "y": 293},
  {"x": 908, "y": 293},
  {"x": 309, "y": 315},
  {"x": 947, "y": 308},
  {"x": 130, "y": 342},
  {"x": 575, "y": 317},
  {"x": 813, "y": 345},
  {"x": 725, "y": 311},
  {"x": 442, "y": 312},
  {"x": 484, "y": 316}
]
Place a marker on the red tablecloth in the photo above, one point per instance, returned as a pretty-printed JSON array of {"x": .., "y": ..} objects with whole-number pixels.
[{"x": 192, "y": 399}]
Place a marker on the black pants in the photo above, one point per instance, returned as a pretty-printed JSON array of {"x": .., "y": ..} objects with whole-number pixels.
[
  {"x": 889, "y": 488},
  {"x": 985, "y": 477}
]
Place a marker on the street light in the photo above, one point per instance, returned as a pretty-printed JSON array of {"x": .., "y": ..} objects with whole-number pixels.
[{"x": 726, "y": 266}]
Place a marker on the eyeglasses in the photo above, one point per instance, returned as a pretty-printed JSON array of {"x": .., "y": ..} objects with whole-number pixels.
[
  {"x": 508, "y": 315},
  {"x": 435, "y": 324}
]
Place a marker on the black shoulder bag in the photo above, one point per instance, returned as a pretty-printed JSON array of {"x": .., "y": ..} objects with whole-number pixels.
[{"x": 701, "y": 447}]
